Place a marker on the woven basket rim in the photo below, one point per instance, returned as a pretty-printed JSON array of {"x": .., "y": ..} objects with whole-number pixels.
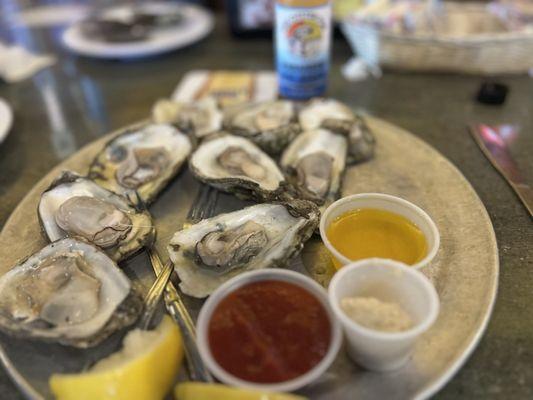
[{"x": 481, "y": 38}]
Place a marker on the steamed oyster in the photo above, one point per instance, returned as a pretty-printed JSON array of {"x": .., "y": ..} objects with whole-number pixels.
[
  {"x": 69, "y": 292},
  {"x": 201, "y": 117},
  {"x": 271, "y": 125},
  {"x": 333, "y": 115},
  {"x": 142, "y": 160},
  {"x": 234, "y": 164},
  {"x": 76, "y": 206},
  {"x": 214, "y": 250},
  {"x": 314, "y": 163}
]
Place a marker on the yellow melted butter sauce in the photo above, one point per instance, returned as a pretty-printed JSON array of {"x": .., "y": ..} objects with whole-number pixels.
[{"x": 369, "y": 232}]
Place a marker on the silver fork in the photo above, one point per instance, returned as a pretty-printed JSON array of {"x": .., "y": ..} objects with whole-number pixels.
[
  {"x": 154, "y": 295},
  {"x": 177, "y": 310},
  {"x": 203, "y": 206}
]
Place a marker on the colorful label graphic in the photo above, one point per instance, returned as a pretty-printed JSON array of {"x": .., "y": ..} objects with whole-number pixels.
[{"x": 302, "y": 50}]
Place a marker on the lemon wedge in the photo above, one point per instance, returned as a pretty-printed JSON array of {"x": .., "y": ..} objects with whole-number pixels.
[
  {"x": 211, "y": 391},
  {"x": 145, "y": 368}
]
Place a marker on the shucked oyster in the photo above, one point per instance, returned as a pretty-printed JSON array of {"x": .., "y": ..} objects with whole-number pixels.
[
  {"x": 142, "y": 159},
  {"x": 271, "y": 125},
  {"x": 314, "y": 163},
  {"x": 361, "y": 142},
  {"x": 319, "y": 111},
  {"x": 202, "y": 117},
  {"x": 69, "y": 292},
  {"x": 214, "y": 250},
  {"x": 76, "y": 206},
  {"x": 234, "y": 164},
  {"x": 335, "y": 116}
]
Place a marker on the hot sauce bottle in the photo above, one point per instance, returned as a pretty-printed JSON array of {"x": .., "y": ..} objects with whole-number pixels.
[{"x": 302, "y": 40}]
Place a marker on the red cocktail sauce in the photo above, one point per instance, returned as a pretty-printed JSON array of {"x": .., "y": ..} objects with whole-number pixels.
[{"x": 269, "y": 332}]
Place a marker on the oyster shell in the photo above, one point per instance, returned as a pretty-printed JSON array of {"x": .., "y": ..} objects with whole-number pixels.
[
  {"x": 76, "y": 206},
  {"x": 361, "y": 142},
  {"x": 265, "y": 235},
  {"x": 326, "y": 113},
  {"x": 203, "y": 117},
  {"x": 272, "y": 125},
  {"x": 69, "y": 292},
  {"x": 236, "y": 165},
  {"x": 337, "y": 117},
  {"x": 142, "y": 159},
  {"x": 314, "y": 163}
]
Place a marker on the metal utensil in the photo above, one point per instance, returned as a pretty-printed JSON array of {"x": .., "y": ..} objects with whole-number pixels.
[
  {"x": 177, "y": 310},
  {"x": 492, "y": 141},
  {"x": 203, "y": 206},
  {"x": 154, "y": 296}
]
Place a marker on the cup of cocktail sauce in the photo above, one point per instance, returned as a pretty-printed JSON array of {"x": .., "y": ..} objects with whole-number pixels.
[{"x": 270, "y": 330}]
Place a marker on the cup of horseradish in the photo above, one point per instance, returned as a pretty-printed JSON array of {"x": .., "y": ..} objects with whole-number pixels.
[{"x": 384, "y": 306}]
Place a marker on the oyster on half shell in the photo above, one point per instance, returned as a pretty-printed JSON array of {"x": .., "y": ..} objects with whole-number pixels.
[
  {"x": 236, "y": 165},
  {"x": 202, "y": 117},
  {"x": 216, "y": 249},
  {"x": 335, "y": 116},
  {"x": 142, "y": 159},
  {"x": 314, "y": 163},
  {"x": 325, "y": 113},
  {"x": 271, "y": 125},
  {"x": 69, "y": 292},
  {"x": 76, "y": 206}
]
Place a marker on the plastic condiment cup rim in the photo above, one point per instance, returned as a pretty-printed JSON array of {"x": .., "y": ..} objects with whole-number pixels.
[
  {"x": 256, "y": 276},
  {"x": 432, "y": 252},
  {"x": 419, "y": 328}
]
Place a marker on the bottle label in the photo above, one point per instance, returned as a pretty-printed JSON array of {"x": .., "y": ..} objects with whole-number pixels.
[{"x": 303, "y": 37}]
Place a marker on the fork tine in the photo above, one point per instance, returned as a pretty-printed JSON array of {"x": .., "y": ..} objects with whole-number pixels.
[
  {"x": 208, "y": 209},
  {"x": 204, "y": 204},
  {"x": 140, "y": 202},
  {"x": 197, "y": 204}
]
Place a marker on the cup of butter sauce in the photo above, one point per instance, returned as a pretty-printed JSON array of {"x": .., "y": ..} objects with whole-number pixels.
[
  {"x": 270, "y": 330},
  {"x": 376, "y": 225}
]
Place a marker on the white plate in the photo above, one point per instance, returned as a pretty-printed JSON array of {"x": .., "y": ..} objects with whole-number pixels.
[
  {"x": 198, "y": 22},
  {"x": 6, "y": 119}
]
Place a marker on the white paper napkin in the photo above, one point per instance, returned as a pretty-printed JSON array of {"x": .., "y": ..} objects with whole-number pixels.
[{"x": 17, "y": 64}]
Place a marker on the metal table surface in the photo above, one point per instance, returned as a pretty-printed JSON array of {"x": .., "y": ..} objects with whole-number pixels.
[{"x": 77, "y": 100}]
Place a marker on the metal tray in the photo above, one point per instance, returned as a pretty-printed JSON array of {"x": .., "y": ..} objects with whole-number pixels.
[{"x": 465, "y": 271}]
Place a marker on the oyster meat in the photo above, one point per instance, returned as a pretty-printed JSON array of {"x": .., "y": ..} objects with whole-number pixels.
[
  {"x": 272, "y": 125},
  {"x": 202, "y": 117},
  {"x": 361, "y": 142},
  {"x": 142, "y": 160},
  {"x": 314, "y": 163},
  {"x": 265, "y": 235},
  {"x": 337, "y": 117},
  {"x": 69, "y": 292},
  {"x": 76, "y": 206},
  {"x": 326, "y": 113},
  {"x": 236, "y": 165}
]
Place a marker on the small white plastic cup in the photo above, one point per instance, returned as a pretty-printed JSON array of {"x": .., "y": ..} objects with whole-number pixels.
[
  {"x": 385, "y": 202},
  {"x": 269, "y": 274},
  {"x": 388, "y": 281}
]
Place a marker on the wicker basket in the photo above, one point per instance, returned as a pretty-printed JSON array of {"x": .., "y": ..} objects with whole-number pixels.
[{"x": 487, "y": 54}]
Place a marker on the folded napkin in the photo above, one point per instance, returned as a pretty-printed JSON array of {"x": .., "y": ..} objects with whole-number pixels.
[{"x": 17, "y": 64}]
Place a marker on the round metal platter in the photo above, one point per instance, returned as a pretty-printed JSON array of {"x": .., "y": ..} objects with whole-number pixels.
[{"x": 465, "y": 271}]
